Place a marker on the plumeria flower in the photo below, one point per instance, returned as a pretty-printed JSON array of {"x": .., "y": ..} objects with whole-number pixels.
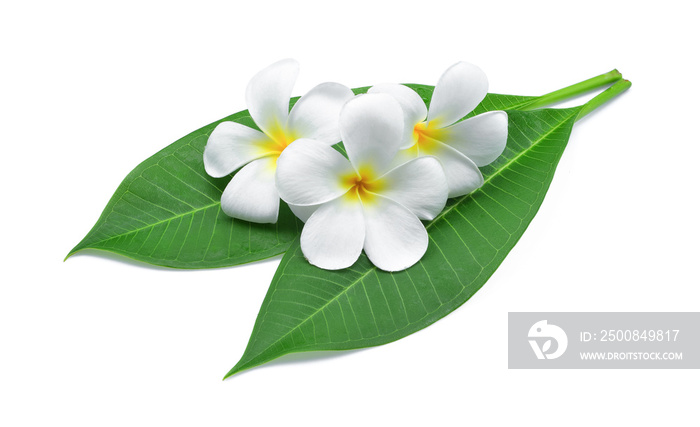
[
  {"x": 461, "y": 146},
  {"x": 251, "y": 195},
  {"x": 363, "y": 202}
]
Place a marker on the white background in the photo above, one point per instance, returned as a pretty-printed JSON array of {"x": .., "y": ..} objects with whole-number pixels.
[{"x": 90, "y": 89}]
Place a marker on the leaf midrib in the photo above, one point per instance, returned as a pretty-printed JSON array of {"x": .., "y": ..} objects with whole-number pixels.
[
  {"x": 497, "y": 172},
  {"x": 145, "y": 227},
  {"x": 91, "y": 241},
  {"x": 438, "y": 218}
]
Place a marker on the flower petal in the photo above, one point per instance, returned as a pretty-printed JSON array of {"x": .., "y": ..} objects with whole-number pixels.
[
  {"x": 232, "y": 145},
  {"x": 310, "y": 172},
  {"x": 482, "y": 138},
  {"x": 316, "y": 114},
  {"x": 414, "y": 108},
  {"x": 405, "y": 156},
  {"x": 303, "y": 212},
  {"x": 268, "y": 93},
  {"x": 395, "y": 238},
  {"x": 420, "y": 185},
  {"x": 372, "y": 128},
  {"x": 462, "y": 175},
  {"x": 460, "y": 89},
  {"x": 333, "y": 236},
  {"x": 251, "y": 195}
]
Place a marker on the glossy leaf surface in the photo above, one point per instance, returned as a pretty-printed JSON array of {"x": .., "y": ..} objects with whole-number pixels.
[
  {"x": 307, "y": 308},
  {"x": 167, "y": 210}
]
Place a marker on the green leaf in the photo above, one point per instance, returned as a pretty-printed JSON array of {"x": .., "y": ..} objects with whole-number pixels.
[
  {"x": 167, "y": 210},
  {"x": 307, "y": 308}
]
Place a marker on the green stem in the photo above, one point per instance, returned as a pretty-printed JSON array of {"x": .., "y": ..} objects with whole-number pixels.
[
  {"x": 603, "y": 97},
  {"x": 574, "y": 90}
]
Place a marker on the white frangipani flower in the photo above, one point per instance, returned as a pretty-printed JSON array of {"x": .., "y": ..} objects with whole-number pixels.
[
  {"x": 460, "y": 146},
  {"x": 251, "y": 195},
  {"x": 362, "y": 202}
]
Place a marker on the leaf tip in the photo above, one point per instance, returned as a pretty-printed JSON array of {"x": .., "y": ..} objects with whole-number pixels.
[
  {"x": 74, "y": 251},
  {"x": 231, "y": 373},
  {"x": 70, "y": 254},
  {"x": 242, "y": 365}
]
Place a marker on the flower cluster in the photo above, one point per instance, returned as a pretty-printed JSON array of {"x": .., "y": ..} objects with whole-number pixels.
[{"x": 403, "y": 161}]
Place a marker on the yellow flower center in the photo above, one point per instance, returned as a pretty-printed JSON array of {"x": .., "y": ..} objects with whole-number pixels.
[
  {"x": 425, "y": 137},
  {"x": 362, "y": 185},
  {"x": 281, "y": 139},
  {"x": 272, "y": 146}
]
